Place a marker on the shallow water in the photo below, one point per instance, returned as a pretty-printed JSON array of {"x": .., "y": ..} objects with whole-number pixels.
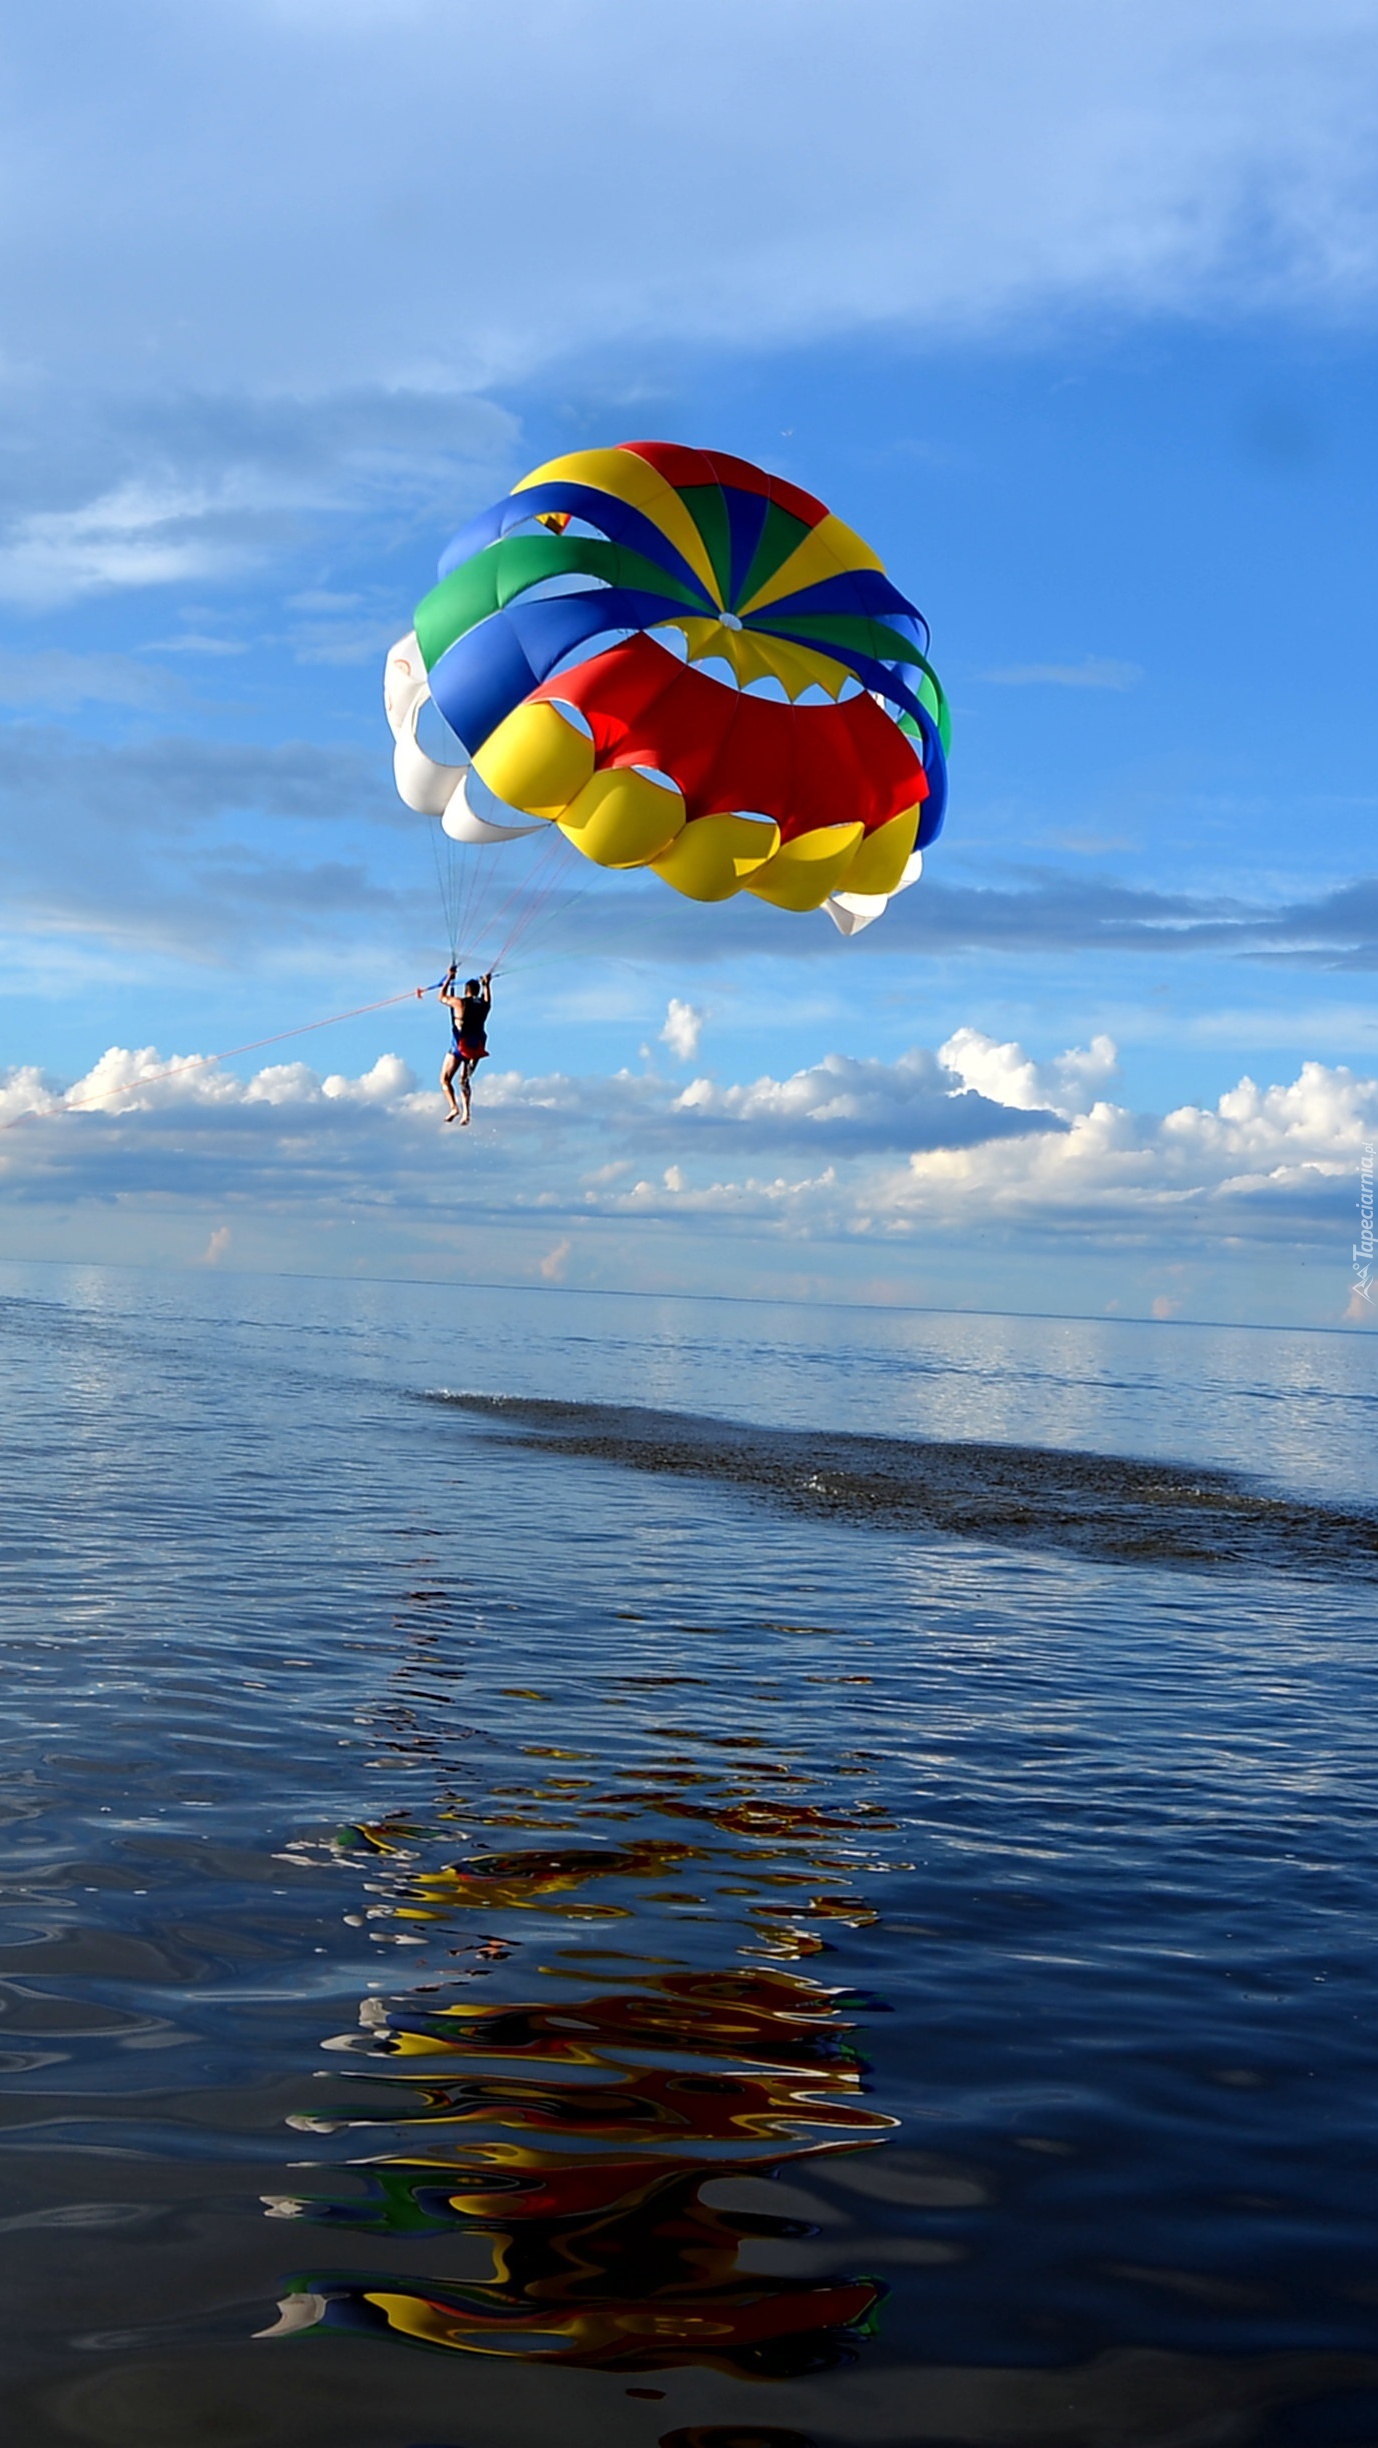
[
  {"x": 514, "y": 1939},
  {"x": 1120, "y": 1510}
]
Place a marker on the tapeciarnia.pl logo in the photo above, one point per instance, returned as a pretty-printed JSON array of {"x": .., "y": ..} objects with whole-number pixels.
[{"x": 1363, "y": 1247}]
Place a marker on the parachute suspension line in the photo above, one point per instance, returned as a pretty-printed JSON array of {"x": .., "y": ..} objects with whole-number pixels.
[
  {"x": 443, "y": 862},
  {"x": 475, "y": 871},
  {"x": 201, "y": 1062},
  {"x": 473, "y": 877},
  {"x": 480, "y": 881},
  {"x": 467, "y": 875},
  {"x": 498, "y": 907},
  {"x": 552, "y": 896},
  {"x": 488, "y": 909},
  {"x": 526, "y": 900},
  {"x": 550, "y": 904}
]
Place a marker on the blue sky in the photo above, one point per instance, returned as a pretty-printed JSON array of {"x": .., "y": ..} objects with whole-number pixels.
[{"x": 1069, "y": 309}]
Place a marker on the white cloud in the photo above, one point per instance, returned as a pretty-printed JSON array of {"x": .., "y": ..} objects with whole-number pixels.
[
  {"x": 390, "y": 1082},
  {"x": 1068, "y": 1085},
  {"x": 842, "y": 1088},
  {"x": 24, "y": 1090},
  {"x": 1270, "y": 1160},
  {"x": 1265, "y": 1165},
  {"x": 138, "y": 536},
  {"x": 128, "y": 1081},
  {"x": 683, "y": 1025},
  {"x": 750, "y": 1198},
  {"x": 843, "y": 1104}
]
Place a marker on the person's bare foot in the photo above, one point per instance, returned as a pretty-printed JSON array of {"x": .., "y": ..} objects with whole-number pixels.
[
  {"x": 463, "y": 1121},
  {"x": 453, "y": 1114}
]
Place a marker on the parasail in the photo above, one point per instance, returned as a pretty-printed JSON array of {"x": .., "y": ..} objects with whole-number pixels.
[{"x": 686, "y": 665}]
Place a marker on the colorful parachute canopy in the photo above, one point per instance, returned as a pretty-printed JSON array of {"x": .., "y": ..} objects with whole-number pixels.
[{"x": 806, "y": 765}]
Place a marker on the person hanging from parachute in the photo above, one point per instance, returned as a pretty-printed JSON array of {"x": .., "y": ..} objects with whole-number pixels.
[
  {"x": 674, "y": 665},
  {"x": 664, "y": 663},
  {"x": 468, "y": 1039}
]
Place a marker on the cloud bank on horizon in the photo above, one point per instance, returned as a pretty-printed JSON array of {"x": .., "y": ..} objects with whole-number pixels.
[
  {"x": 1071, "y": 310},
  {"x": 656, "y": 1184}
]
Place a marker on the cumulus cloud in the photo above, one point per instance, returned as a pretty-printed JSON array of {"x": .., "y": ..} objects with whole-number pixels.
[
  {"x": 1273, "y": 1162},
  {"x": 1067, "y": 1085},
  {"x": 857, "y": 1102},
  {"x": 896, "y": 1152},
  {"x": 751, "y": 1199},
  {"x": 127, "y": 1081},
  {"x": 683, "y": 1025}
]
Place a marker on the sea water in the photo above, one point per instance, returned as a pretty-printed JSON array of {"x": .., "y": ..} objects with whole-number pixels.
[{"x": 561, "y": 1887}]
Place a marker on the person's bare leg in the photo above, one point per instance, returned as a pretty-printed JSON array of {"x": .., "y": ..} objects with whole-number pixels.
[
  {"x": 447, "y": 1075},
  {"x": 466, "y": 1073}
]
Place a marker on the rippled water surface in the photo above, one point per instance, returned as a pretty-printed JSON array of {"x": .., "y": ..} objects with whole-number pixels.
[{"x": 679, "y": 1875}]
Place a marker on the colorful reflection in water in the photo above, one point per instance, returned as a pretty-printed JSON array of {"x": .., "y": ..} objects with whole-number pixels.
[
  {"x": 606, "y": 2145},
  {"x": 611, "y": 2221}
]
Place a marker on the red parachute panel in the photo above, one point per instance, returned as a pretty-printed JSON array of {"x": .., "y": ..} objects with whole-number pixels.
[{"x": 806, "y": 766}]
